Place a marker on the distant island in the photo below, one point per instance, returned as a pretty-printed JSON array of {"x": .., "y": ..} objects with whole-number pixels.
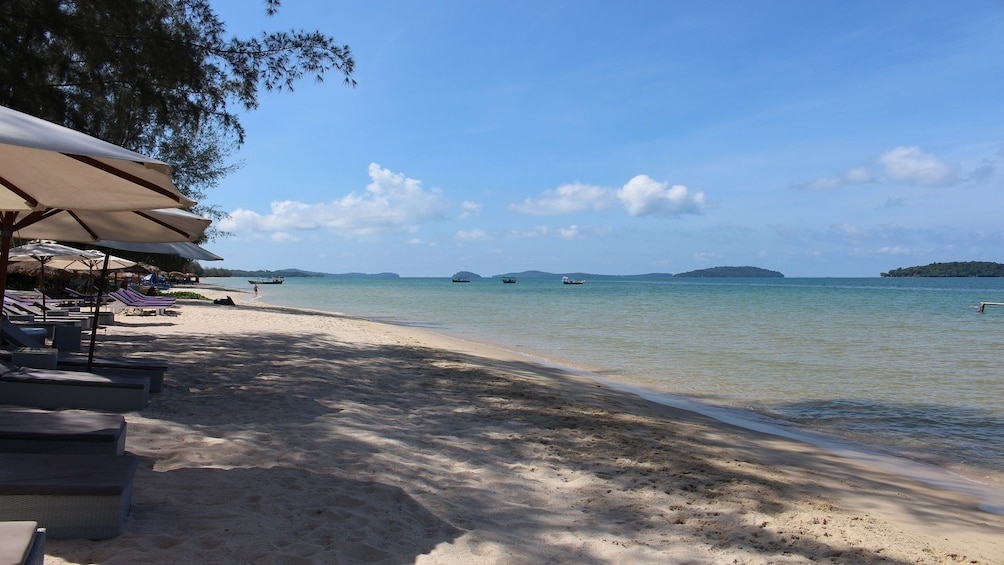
[
  {"x": 721, "y": 272},
  {"x": 541, "y": 275},
  {"x": 952, "y": 269},
  {"x": 291, "y": 273}
]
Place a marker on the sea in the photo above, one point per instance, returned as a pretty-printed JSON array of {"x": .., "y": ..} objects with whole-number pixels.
[{"x": 905, "y": 372}]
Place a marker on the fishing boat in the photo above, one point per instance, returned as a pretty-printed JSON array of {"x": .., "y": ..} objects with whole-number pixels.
[
  {"x": 461, "y": 279},
  {"x": 508, "y": 280},
  {"x": 264, "y": 280},
  {"x": 567, "y": 280}
]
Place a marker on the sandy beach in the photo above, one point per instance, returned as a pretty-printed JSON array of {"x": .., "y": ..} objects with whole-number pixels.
[{"x": 289, "y": 436}]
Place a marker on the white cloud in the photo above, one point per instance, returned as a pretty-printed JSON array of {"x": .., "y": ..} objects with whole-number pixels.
[
  {"x": 538, "y": 231},
  {"x": 910, "y": 165},
  {"x": 641, "y": 196},
  {"x": 473, "y": 235},
  {"x": 469, "y": 208},
  {"x": 571, "y": 232},
  {"x": 644, "y": 196},
  {"x": 913, "y": 165},
  {"x": 391, "y": 202},
  {"x": 894, "y": 250},
  {"x": 566, "y": 199},
  {"x": 856, "y": 175}
]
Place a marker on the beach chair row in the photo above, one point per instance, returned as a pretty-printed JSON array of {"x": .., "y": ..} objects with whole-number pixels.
[
  {"x": 64, "y": 468},
  {"x": 129, "y": 299}
]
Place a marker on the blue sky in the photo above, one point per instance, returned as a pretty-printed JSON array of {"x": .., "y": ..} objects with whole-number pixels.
[{"x": 813, "y": 138}]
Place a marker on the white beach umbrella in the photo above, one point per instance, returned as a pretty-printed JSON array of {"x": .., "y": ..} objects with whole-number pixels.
[
  {"x": 47, "y": 170},
  {"x": 184, "y": 249},
  {"x": 45, "y": 252}
]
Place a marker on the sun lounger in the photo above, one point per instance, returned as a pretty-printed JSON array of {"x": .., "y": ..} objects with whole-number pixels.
[
  {"x": 53, "y": 389},
  {"x": 69, "y": 432},
  {"x": 124, "y": 301},
  {"x": 19, "y": 305},
  {"x": 152, "y": 369},
  {"x": 71, "y": 496},
  {"x": 20, "y": 336},
  {"x": 22, "y": 543},
  {"x": 136, "y": 296}
]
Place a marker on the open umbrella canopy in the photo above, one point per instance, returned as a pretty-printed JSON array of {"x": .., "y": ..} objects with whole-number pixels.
[
  {"x": 47, "y": 169},
  {"x": 184, "y": 249},
  {"x": 45, "y": 165},
  {"x": 47, "y": 251},
  {"x": 90, "y": 264},
  {"x": 95, "y": 226}
]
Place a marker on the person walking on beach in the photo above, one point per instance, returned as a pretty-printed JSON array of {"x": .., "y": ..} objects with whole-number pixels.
[{"x": 256, "y": 290}]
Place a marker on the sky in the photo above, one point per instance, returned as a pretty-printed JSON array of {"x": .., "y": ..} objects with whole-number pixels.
[{"x": 823, "y": 138}]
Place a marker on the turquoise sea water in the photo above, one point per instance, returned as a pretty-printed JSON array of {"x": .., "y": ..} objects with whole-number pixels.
[{"x": 900, "y": 366}]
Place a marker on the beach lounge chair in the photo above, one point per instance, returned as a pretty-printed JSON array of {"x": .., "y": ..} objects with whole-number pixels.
[
  {"x": 151, "y": 369},
  {"x": 22, "y": 543},
  {"x": 144, "y": 299},
  {"x": 54, "y": 389},
  {"x": 71, "y": 496},
  {"x": 20, "y": 336},
  {"x": 126, "y": 301},
  {"x": 68, "y": 432}
]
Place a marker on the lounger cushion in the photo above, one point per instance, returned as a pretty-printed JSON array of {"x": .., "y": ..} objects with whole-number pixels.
[
  {"x": 49, "y": 389},
  {"x": 21, "y": 543},
  {"x": 27, "y": 430},
  {"x": 28, "y": 375}
]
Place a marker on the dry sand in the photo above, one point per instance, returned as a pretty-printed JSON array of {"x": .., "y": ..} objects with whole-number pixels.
[{"x": 285, "y": 436}]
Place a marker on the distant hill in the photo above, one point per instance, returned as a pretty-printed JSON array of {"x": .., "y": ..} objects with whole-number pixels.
[
  {"x": 362, "y": 276},
  {"x": 262, "y": 273},
  {"x": 953, "y": 269},
  {"x": 720, "y": 272},
  {"x": 531, "y": 275}
]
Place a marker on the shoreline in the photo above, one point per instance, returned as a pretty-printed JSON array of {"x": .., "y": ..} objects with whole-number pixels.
[
  {"x": 294, "y": 437},
  {"x": 989, "y": 490}
]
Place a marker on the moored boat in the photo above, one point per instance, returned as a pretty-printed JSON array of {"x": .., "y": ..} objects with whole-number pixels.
[
  {"x": 263, "y": 280},
  {"x": 567, "y": 280},
  {"x": 508, "y": 280}
]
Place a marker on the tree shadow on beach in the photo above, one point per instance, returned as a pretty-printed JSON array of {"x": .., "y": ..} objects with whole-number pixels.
[{"x": 473, "y": 447}]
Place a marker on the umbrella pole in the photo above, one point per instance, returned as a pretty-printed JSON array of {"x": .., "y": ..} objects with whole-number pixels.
[
  {"x": 97, "y": 309},
  {"x": 6, "y": 233}
]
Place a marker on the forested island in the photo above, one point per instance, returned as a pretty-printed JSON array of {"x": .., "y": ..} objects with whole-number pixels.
[
  {"x": 731, "y": 272},
  {"x": 951, "y": 269}
]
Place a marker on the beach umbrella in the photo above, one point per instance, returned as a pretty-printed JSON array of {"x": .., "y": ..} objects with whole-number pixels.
[
  {"x": 47, "y": 251},
  {"x": 47, "y": 170},
  {"x": 88, "y": 265},
  {"x": 184, "y": 249}
]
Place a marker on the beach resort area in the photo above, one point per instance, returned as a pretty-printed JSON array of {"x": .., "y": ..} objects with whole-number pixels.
[{"x": 294, "y": 436}]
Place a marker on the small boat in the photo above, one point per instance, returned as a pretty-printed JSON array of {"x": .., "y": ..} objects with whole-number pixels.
[
  {"x": 461, "y": 279},
  {"x": 262, "y": 280},
  {"x": 567, "y": 280},
  {"x": 508, "y": 280}
]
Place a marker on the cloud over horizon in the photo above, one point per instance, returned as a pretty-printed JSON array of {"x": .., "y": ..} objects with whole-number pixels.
[
  {"x": 904, "y": 165},
  {"x": 390, "y": 202},
  {"x": 641, "y": 196}
]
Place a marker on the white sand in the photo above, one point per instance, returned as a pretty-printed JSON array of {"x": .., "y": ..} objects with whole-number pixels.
[{"x": 289, "y": 437}]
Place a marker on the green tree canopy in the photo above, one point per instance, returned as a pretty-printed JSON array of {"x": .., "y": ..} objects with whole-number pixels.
[{"x": 160, "y": 77}]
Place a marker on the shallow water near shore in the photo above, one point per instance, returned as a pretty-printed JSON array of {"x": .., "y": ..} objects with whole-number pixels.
[{"x": 906, "y": 367}]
